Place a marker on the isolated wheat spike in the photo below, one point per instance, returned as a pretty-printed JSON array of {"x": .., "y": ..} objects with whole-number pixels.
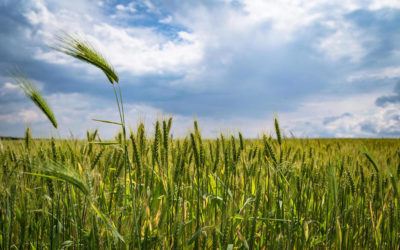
[
  {"x": 33, "y": 93},
  {"x": 73, "y": 46}
]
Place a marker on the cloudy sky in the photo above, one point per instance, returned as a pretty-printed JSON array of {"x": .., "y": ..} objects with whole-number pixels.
[{"x": 325, "y": 68}]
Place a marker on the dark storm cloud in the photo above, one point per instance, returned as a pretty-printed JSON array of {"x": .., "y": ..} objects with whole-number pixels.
[{"x": 395, "y": 98}]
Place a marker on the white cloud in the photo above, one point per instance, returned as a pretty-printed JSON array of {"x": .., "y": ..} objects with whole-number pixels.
[
  {"x": 166, "y": 20},
  {"x": 150, "y": 6},
  {"x": 146, "y": 51},
  {"x": 141, "y": 51},
  {"x": 346, "y": 42},
  {"x": 23, "y": 115},
  {"x": 384, "y": 121},
  {"x": 9, "y": 89},
  {"x": 8, "y": 118},
  {"x": 129, "y": 7},
  {"x": 376, "y": 5},
  {"x": 30, "y": 115},
  {"x": 286, "y": 15},
  {"x": 136, "y": 50},
  {"x": 12, "y": 90},
  {"x": 351, "y": 116},
  {"x": 387, "y": 72}
]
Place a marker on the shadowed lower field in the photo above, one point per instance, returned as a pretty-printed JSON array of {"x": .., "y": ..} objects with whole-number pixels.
[{"x": 196, "y": 193}]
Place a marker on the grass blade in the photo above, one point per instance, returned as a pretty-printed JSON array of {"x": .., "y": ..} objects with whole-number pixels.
[
  {"x": 108, "y": 223},
  {"x": 110, "y": 122}
]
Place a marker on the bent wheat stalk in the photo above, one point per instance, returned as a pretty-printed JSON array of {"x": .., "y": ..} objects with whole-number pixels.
[{"x": 84, "y": 51}]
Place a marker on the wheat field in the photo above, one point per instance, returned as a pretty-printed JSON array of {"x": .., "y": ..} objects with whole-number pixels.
[{"x": 225, "y": 193}]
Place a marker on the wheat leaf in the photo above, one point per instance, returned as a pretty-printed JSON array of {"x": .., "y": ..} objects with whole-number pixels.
[{"x": 105, "y": 121}]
